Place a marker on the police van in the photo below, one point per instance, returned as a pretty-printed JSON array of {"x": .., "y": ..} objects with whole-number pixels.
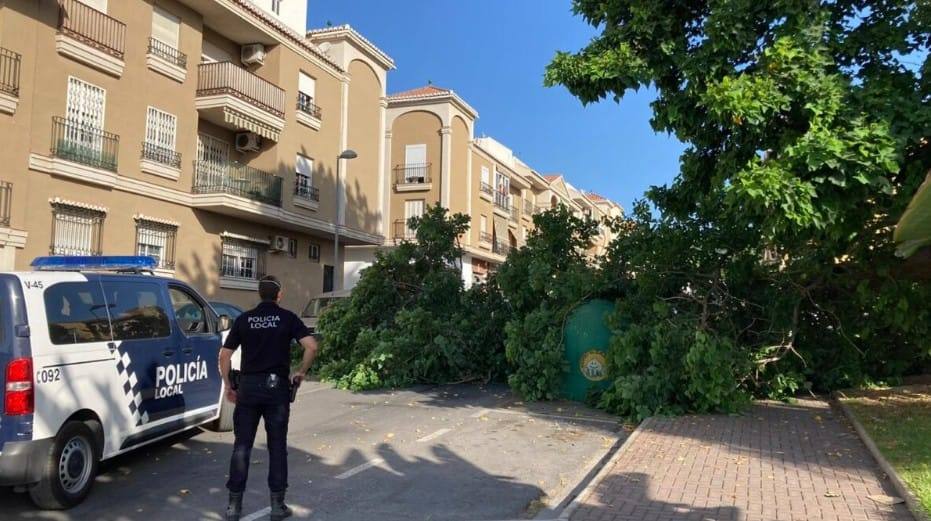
[{"x": 98, "y": 358}]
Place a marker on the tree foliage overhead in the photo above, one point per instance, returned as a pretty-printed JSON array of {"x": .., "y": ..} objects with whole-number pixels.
[{"x": 806, "y": 127}]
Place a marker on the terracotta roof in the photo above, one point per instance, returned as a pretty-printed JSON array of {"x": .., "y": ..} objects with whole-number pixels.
[
  {"x": 595, "y": 197},
  {"x": 426, "y": 90},
  {"x": 551, "y": 177}
]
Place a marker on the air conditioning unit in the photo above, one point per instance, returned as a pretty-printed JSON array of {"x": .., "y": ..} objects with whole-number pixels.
[
  {"x": 252, "y": 54},
  {"x": 248, "y": 142},
  {"x": 279, "y": 244}
]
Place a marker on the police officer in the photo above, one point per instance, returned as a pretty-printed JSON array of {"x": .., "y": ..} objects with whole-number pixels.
[{"x": 265, "y": 335}]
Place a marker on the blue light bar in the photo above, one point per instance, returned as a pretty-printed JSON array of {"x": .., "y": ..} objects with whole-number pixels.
[{"x": 98, "y": 263}]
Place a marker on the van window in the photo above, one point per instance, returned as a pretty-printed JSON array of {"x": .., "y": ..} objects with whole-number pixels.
[
  {"x": 137, "y": 310},
  {"x": 191, "y": 315},
  {"x": 76, "y": 313}
]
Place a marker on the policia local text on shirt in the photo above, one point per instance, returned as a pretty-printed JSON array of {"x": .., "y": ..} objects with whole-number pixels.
[{"x": 264, "y": 391}]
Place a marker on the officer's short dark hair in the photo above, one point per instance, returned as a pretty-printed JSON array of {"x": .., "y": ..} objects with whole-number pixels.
[{"x": 269, "y": 286}]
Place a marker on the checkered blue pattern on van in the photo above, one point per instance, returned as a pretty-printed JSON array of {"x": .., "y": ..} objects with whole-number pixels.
[{"x": 131, "y": 387}]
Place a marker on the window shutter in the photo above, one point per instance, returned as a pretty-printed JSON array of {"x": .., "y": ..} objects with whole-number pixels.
[
  {"x": 307, "y": 85},
  {"x": 165, "y": 26},
  {"x": 305, "y": 166},
  {"x": 486, "y": 176}
]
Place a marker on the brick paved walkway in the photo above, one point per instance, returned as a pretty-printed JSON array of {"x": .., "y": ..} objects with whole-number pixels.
[{"x": 778, "y": 462}]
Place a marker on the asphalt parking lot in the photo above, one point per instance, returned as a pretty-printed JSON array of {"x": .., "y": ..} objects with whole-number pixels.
[{"x": 462, "y": 453}]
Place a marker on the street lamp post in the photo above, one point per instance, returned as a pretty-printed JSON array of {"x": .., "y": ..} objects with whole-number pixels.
[{"x": 338, "y": 273}]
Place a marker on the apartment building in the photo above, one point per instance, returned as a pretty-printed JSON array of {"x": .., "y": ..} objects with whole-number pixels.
[
  {"x": 434, "y": 157},
  {"x": 205, "y": 133}
]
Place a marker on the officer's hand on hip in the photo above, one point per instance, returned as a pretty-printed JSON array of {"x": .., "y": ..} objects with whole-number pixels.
[
  {"x": 297, "y": 378},
  {"x": 231, "y": 395}
]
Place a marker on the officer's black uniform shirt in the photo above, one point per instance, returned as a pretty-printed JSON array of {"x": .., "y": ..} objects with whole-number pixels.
[{"x": 265, "y": 334}]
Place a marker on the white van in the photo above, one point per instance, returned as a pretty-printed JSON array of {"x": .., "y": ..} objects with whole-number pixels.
[{"x": 96, "y": 364}]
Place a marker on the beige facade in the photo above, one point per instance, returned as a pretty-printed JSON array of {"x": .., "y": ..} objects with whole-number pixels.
[
  {"x": 435, "y": 158},
  {"x": 206, "y": 133},
  {"x": 118, "y": 142}
]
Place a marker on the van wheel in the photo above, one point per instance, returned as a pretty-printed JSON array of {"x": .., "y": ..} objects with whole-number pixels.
[
  {"x": 70, "y": 468},
  {"x": 224, "y": 422}
]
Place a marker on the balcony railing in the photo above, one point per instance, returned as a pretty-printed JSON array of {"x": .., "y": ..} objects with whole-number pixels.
[
  {"x": 306, "y": 105},
  {"x": 165, "y": 156},
  {"x": 486, "y": 188},
  {"x": 528, "y": 207},
  {"x": 501, "y": 201},
  {"x": 402, "y": 232},
  {"x": 84, "y": 144},
  {"x": 227, "y": 78},
  {"x": 485, "y": 237},
  {"x": 501, "y": 248},
  {"x": 167, "y": 52},
  {"x": 412, "y": 174},
  {"x": 9, "y": 72},
  {"x": 233, "y": 178},
  {"x": 6, "y": 198},
  {"x": 92, "y": 27},
  {"x": 306, "y": 192}
]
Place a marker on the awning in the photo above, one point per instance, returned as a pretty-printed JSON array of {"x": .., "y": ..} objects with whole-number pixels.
[
  {"x": 914, "y": 229},
  {"x": 231, "y": 117}
]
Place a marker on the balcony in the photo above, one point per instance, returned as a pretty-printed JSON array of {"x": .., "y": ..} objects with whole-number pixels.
[
  {"x": 486, "y": 191},
  {"x": 485, "y": 238},
  {"x": 232, "y": 97},
  {"x": 166, "y": 60},
  {"x": 305, "y": 195},
  {"x": 529, "y": 209},
  {"x": 501, "y": 248},
  {"x": 402, "y": 232},
  {"x": 91, "y": 37},
  {"x": 308, "y": 113},
  {"x": 237, "y": 180},
  {"x": 502, "y": 207},
  {"x": 10, "y": 63},
  {"x": 412, "y": 178},
  {"x": 6, "y": 198},
  {"x": 160, "y": 161},
  {"x": 83, "y": 144}
]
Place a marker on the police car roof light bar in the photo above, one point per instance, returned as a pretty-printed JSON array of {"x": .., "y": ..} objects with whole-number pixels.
[{"x": 125, "y": 263}]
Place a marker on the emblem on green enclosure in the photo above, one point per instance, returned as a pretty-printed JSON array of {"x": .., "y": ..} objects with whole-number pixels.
[{"x": 594, "y": 366}]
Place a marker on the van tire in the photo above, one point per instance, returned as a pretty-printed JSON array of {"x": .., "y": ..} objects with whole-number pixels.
[
  {"x": 224, "y": 422},
  {"x": 69, "y": 470}
]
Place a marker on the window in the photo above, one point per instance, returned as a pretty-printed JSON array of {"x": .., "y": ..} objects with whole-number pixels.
[
  {"x": 484, "y": 225},
  {"x": 304, "y": 177},
  {"x": 165, "y": 27},
  {"x": 415, "y": 163},
  {"x": 160, "y": 138},
  {"x": 486, "y": 176},
  {"x": 307, "y": 85},
  {"x": 502, "y": 183},
  {"x": 242, "y": 259},
  {"x": 211, "y": 52},
  {"x": 157, "y": 240},
  {"x": 329, "y": 275},
  {"x": 76, "y": 313},
  {"x": 84, "y": 112},
  {"x": 412, "y": 208},
  {"x": 313, "y": 252},
  {"x": 137, "y": 310},
  {"x": 212, "y": 160},
  {"x": 190, "y": 314},
  {"x": 292, "y": 248},
  {"x": 76, "y": 230}
]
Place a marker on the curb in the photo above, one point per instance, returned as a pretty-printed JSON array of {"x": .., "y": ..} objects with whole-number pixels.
[
  {"x": 605, "y": 470},
  {"x": 910, "y": 500}
]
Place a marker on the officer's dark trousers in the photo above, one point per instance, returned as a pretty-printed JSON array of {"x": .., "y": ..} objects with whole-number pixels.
[{"x": 255, "y": 401}]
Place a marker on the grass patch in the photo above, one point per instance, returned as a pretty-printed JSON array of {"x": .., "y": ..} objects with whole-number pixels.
[{"x": 899, "y": 421}]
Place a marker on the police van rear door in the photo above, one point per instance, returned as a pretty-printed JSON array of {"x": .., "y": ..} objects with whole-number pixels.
[
  {"x": 18, "y": 426},
  {"x": 148, "y": 355},
  {"x": 198, "y": 375}
]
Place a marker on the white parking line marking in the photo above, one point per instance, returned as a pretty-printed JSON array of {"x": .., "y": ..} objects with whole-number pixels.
[
  {"x": 365, "y": 466},
  {"x": 434, "y": 436},
  {"x": 257, "y": 515},
  {"x": 298, "y": 512}
]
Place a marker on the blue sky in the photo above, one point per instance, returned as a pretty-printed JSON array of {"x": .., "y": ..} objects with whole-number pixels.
[{"x": 493, "y": 54}]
